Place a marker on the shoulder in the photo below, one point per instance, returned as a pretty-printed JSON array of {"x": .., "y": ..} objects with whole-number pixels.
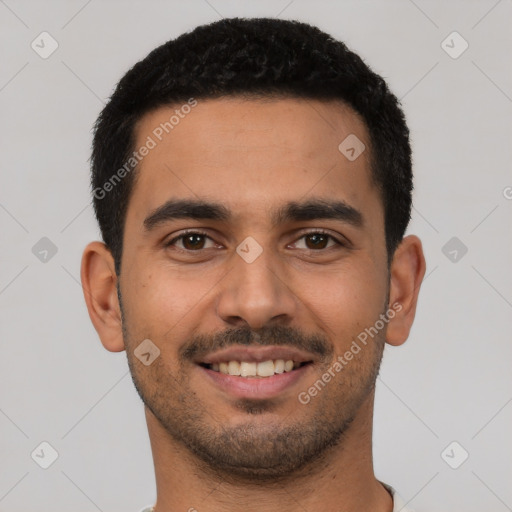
[{"x": 398, "y": 502}]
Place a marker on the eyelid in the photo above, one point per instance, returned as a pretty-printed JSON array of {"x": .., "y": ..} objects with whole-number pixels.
[
  {"x": 182, "y": 234},
  {"x": 339, "y": 240}
]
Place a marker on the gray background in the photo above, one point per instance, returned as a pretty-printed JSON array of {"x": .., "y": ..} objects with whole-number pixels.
[{"x": 450, "y": 382}]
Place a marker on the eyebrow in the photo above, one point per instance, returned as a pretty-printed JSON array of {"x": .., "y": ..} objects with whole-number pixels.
[{"x": 311, "y": 209}]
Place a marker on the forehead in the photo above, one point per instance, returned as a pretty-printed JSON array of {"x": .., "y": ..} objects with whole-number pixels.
[{"x": 251, "y": 155}]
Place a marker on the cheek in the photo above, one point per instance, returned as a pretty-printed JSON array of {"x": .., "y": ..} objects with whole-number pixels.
[
  {"x": 347, "y": 301},
  {"x": 161, "y": 299}
]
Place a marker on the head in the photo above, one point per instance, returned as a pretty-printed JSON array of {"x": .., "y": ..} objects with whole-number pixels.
[
  {"x": 258, "y": 58},
  {"x": 287, "y": 161}
]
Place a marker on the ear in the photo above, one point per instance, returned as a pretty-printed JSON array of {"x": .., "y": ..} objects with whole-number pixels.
[
  {"x": 99, "y": 282},
  {"x": 406, "y": 274}
]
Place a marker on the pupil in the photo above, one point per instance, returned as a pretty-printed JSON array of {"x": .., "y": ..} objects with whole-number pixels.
[
  {"x": 317, "y": 239},
  {"x": 189, "y": 240}
]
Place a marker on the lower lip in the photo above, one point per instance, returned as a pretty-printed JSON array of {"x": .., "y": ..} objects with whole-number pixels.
[{"x": 256, "y": 387}]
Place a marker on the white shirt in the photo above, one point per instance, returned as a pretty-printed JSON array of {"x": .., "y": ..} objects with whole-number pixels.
[{"x": 398, "y": 502}]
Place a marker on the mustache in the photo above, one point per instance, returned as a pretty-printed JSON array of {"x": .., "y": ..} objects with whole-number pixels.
[{"x": 201, "y": 345}]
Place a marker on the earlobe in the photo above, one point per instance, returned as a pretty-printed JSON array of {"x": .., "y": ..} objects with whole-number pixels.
[
  {"x": 99, "y": 284},
  {"x": 406, "y": 274}
]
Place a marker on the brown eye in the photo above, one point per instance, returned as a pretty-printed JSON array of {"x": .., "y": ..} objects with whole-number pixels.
[
  {"x": 318, "y": 240},
  {"x": 191, "y": 241}
]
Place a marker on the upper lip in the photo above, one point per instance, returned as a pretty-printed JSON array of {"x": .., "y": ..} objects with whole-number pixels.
[{"x": 257, "y": 355}]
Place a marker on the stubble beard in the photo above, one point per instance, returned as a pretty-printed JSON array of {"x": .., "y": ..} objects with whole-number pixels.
[{"x": 256, "y": 449}]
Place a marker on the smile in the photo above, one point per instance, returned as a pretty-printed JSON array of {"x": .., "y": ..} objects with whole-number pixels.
[{"x": 255, "y": 369}]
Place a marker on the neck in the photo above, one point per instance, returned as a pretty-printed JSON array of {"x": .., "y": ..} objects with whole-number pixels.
[{"x": 343, "y": 478}]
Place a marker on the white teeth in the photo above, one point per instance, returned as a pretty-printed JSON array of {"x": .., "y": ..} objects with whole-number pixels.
[
  {"x": 234, "y": 368},
  {"x": 248, "y": 369},
  {"x": 279, "y": 366},
  {"x": 253, "y": 369},
  {"x": 266, "y": 368}
]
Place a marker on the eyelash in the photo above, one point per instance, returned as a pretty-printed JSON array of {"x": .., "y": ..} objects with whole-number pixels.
[{"x": 202, "y": 233}]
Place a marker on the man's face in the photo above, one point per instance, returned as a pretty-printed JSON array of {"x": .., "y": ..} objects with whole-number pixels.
[{"x": 305, "y": 297}]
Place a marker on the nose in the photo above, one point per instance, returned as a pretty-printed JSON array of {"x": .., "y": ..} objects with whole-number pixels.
[{"x": 256, "y": 294}]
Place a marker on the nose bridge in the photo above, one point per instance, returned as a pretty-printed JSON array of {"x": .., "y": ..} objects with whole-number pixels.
[{"x": 254, "y": 290}]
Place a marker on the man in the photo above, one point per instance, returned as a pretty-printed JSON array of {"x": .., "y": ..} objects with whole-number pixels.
[{"x": 252, "y": 182}]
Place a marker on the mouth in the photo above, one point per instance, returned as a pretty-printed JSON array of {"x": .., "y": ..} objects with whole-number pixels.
[
  {"x": 252, "y": 369},
  {"x": 256, "y": 372}
]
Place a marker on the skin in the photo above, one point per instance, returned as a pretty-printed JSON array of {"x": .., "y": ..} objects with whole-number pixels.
[{"x": 211, "y": 450}]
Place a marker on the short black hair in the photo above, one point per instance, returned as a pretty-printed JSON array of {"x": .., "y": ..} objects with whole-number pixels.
[{"x": 249, "y": 57}]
